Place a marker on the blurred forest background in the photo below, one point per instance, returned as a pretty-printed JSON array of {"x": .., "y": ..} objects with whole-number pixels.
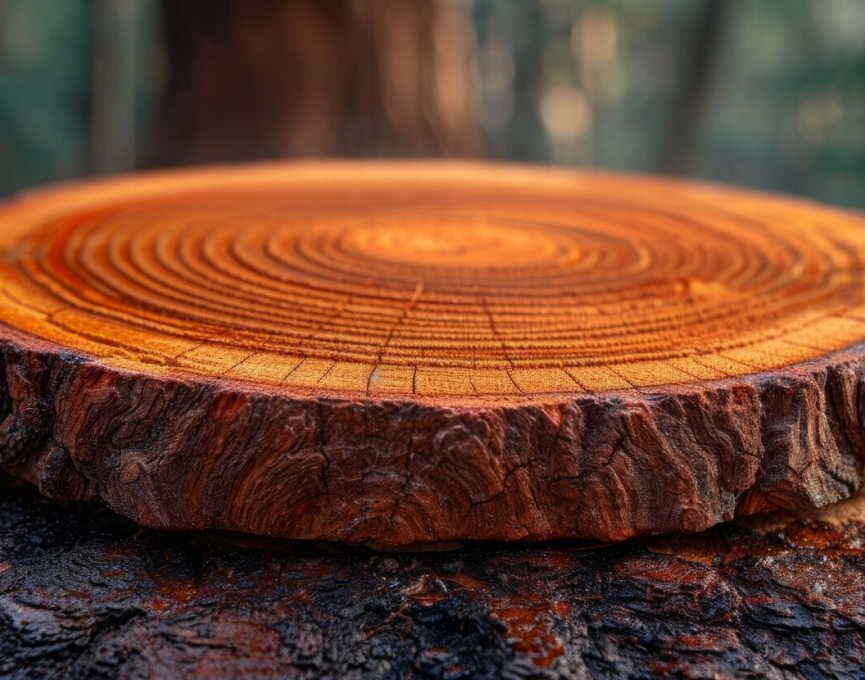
[{"x": 767, "y": 93}]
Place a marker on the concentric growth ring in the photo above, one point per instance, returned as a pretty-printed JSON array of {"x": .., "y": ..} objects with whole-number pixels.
[
  {"x": 418, "y": 282},
  {"x": 400, "y": 352}
]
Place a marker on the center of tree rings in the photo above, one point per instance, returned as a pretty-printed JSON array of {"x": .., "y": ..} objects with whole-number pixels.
[{"x": 410, "y": 281}]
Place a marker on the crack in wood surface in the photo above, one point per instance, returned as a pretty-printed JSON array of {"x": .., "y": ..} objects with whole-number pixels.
[{"x": 409, "y": 352}]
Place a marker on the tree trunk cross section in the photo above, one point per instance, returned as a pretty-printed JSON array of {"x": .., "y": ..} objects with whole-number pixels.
[{"x": 405, "y": 352}]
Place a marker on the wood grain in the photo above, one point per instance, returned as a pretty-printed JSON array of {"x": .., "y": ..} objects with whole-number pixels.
[{"x": 402, "y": 352}]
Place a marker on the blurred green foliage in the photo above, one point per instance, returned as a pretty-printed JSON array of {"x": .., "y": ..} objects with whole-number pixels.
[
  {"x": 780, "y": 103},
  {"x": 45, "y": 62},
  {"x": 772, "y": 96}
]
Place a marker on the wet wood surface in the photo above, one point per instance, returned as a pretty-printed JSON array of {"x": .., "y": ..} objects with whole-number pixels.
[
  {"x": 408, "y": 352},
  {"x": 86, "y": 593}
]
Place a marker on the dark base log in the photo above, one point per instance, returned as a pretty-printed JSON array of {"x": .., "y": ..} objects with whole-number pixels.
[{"x": 86, "y": 593}]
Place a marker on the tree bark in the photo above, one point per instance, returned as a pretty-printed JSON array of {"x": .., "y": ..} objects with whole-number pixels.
[
  {"x": 395, "y": 353},
  {"x": 85, "y": 593}
]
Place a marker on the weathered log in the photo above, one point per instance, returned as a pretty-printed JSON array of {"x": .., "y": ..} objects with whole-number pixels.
[
  {"x": 85, "y": 593},
  {"x": 425, "y": 352}
]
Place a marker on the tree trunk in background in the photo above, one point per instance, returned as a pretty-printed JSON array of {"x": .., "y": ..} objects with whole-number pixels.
[
  {"x": 277, "y": 78},
  {"x": 690, "y": 105}
]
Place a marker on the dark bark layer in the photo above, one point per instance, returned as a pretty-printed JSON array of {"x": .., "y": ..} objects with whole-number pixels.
[
  {"x": 85, "y": 593},
  {"x": 195, "y": 454}
]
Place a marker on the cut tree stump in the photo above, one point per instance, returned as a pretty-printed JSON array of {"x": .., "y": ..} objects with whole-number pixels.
[
  {"x": 86, "y": 594},
  {"x": 405, "y": 352}
]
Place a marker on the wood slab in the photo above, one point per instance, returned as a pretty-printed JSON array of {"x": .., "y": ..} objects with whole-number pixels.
[
  {"x": 86, "y": 594},
  {"x": 404, "y": 352}
]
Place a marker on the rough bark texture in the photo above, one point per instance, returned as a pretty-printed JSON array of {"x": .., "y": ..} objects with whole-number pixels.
[
  {"x": 85, "y": 593},
  {"x": 399, "y": 353},
  {"x": 599, "y": 467}
]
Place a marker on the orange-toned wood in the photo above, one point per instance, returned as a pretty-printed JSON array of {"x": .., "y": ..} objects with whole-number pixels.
[{"x": 421, "y": 351}]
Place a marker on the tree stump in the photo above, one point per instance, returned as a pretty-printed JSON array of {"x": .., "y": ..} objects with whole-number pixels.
[{"x": 404, "y": 352}]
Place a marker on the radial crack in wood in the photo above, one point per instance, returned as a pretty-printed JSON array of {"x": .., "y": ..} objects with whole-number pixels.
[{"x": 403, "y": 352}]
